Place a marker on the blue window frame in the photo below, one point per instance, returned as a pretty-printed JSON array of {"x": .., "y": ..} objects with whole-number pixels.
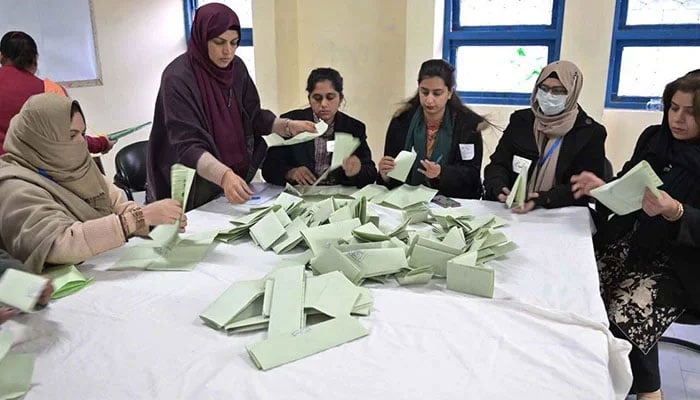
[
  {"x": 636, "y": 37},
  {"x": 519, "y": 37},
  {"x": 190, "y": 8}
]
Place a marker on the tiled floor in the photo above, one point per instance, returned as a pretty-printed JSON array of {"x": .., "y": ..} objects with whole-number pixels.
[{"x": 680, "y": 368}]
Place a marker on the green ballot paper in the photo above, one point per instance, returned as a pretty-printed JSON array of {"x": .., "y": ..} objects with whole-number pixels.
[
  {"x": 15, "y": 369},
  {"x": 275, "y": 140},
  {"x": 404, "y": 162},
  {"x": 67, "y": 280},
  {"x": 281, "y": 349},
  {"x": 624, "y": 195},
  {"x": 181, "y": 179},
  {"x": 518, "y": 193},
  {"x": 20, "y": 289},
  {"x": 125, "y": 132}
]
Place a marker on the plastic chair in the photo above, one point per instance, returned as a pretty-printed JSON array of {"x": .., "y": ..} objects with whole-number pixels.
[
  {"x": 688, "y": 318},
  {"x": 130, "y": 163}
]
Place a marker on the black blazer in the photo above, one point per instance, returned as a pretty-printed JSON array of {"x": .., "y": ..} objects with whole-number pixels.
[
  {"x": 683, "y": 236},
  {"x": 458, "y": 178},
  {"x": 280, "y": 160},
  {"x": 582, "y": 149}
]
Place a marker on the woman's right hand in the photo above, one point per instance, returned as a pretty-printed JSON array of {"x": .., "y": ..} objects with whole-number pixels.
[
  {"x": 297, "y": 126},
  {"x": 301, "y": 176},
  {"x": 386, "y": 165},
  {"x": 164, "y": 212},
  {"x": 504, "y": 194},
  {"x": 583, "y": 183},
  {"x": 235, "y": 188}
]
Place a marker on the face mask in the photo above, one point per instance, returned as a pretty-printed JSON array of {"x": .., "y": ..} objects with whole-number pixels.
[{"x": 551, "y": 104}]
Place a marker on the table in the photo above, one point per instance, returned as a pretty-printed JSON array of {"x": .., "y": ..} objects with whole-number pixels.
[{"x": 137, "y": 335}]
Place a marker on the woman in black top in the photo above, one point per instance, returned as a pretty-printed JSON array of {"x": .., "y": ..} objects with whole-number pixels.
[
  {"x": 553, "y": 140},
  {"x": 442, "y": 131},
  {"x": 648, "y": 260},
  {"x": 303, "y": 163}
]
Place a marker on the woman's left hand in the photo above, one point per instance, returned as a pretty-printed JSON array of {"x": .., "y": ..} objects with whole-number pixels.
[
  {"x": 430, "y": 169},
  {"x": 351, "y": 166},
  {"x": 46, "y": 293},
  {"x": 528, "y": 206},
  {"x": 663, "y": 205},
  {"x": 296, "y": 127}
]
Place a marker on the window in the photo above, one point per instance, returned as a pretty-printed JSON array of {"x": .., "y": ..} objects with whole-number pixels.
[
  {"x": 654, "y": 42},
  {"x": 498, "y": 47},
  {"x": 244, "y": 10}
]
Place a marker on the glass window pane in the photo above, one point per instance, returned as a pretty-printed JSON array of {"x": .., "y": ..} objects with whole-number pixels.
[
  {"x": 505, "y": 12},
  {"x": 649, "y": 12},
  {"x": 246, "y": 54},
  {"x": 511, "y": 69},
  {"x": 645, "y": 71},
  {"x": 243, "y": 8}
]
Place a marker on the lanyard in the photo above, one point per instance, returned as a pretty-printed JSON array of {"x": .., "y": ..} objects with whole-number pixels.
[{"x": 551, "y": 150}]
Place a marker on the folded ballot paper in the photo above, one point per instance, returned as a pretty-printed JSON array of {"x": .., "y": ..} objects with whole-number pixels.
[
  {"x": 20, "y": 289},
  {"x": 275, "y": 140},
  {"x": 280, "y": 303},
  {"x": 404, "y": 163},
  {"x": 15, "y": 369},
  {"x": 344, "y": 145},
  {"x": 125, "y": 132},
  {"x": 624, "y": 195},
  {"x": 168, "y": 251},
  {"x": 518, "y": 193},
  {"x": 67, "y": 280}
]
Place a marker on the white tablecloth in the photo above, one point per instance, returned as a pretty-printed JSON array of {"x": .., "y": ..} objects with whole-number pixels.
[{"x": 137, "y": 335}]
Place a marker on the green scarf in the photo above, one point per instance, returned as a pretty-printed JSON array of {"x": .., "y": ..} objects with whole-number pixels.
[{"x": 417, "y": 139}]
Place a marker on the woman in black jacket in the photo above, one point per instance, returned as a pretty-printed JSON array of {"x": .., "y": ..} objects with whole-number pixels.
[
  {"x": 442, "y": 131},
  {"x": 553, "y": 140},
  {"x": 304, "y": 162},
  {"x": 647, "y": 260}
]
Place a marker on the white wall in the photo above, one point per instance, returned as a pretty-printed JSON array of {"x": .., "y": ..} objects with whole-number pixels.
[
  {"x": 377, "y": 46},
  {"x": 136, "y": 40}
]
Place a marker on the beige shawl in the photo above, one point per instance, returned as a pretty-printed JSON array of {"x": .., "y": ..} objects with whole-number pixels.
[
  {"x": 40, "y": 153},
  {"x": 548, "y": 128}
]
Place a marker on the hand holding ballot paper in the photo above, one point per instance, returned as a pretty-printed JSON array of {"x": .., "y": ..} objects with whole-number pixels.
[{"x": 626, "y": 194}]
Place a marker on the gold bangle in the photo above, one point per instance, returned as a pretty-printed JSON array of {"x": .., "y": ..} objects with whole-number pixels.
[
  {"x": 287, "y": 130},
  {"x": 679, "y": 213}
]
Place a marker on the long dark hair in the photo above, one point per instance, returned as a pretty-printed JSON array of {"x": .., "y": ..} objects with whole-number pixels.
[
  {"x": 20, "y": 49},
  {"x": 445, "y": 71},
  {"x": 690, "y": 83}
]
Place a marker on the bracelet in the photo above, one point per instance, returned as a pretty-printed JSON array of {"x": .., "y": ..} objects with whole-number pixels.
[
  {"x": 138, "y": 218},
  {"x": 287, "y": 131},
  {"x": 125, "y": 226},
  {"x": 679, "y": 213}
]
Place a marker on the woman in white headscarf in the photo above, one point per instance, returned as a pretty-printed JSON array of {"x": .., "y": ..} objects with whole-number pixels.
[{"x": 553, "y": 140}]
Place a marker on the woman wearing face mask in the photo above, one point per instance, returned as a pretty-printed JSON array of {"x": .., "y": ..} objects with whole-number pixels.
[
  {"x": 553, "y": 140},
  {"x": 208, "y": 115},
  {"x": 304, "y": 162},
  {"x": 442, "y": 131},
  {"x": 647, "y": 260}
]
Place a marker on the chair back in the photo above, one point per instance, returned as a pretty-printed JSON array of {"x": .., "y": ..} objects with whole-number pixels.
[{"x": 130, "y": 163}]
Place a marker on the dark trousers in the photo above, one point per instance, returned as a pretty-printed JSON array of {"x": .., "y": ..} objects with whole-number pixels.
[{"x": 645, "y": 367}]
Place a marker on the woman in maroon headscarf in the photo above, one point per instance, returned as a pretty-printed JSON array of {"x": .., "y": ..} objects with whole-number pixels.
[{"x": 208, "y": 115}]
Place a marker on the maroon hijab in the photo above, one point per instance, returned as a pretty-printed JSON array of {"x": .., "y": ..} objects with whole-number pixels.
[{"x": 216, "y": 85}]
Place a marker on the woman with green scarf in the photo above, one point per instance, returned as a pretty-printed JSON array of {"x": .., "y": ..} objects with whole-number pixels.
[
  {"x": 56, "y": 207},
  {"x": 444, "y": 133}
]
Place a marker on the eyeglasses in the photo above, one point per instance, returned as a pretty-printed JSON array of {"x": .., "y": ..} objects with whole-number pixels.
[{"x": 558, "y": 90}]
